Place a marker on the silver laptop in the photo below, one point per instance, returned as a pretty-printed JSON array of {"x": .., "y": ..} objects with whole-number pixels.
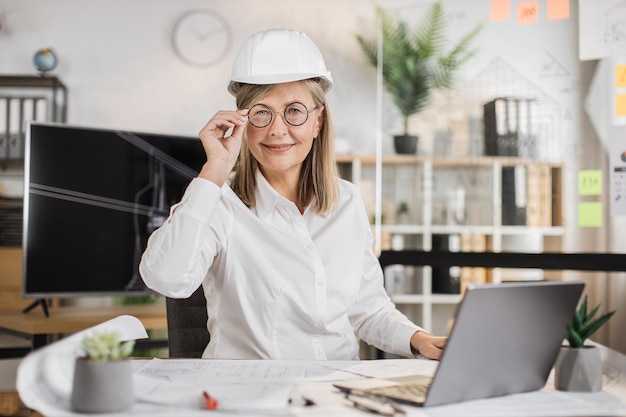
[{"x": 504, "y": 340}]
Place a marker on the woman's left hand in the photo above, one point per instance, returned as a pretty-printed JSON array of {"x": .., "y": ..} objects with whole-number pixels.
[{"x": 427, "y": 345}]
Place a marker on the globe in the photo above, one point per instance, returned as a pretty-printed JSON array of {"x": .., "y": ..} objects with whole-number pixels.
[{"x": 45, "y": 60}]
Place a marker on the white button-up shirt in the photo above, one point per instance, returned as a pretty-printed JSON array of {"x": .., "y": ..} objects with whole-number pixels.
[{"x": 279, "y": 284}]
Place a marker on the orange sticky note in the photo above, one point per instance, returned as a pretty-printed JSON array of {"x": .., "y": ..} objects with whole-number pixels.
[
  {"x": 558, "y": 9},
  {"x": 527, "y": 12},
  {"x": 620, "y": 104},
  {"x": 620, "y": 76},
  {"x": 500, "y": 10}
]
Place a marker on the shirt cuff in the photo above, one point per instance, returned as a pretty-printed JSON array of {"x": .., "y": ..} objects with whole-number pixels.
[{"x": 404, "y": 332}]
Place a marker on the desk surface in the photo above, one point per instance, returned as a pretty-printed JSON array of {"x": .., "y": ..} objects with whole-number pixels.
[
  {"x": 260, "y": 387},
  {"x": 255, "y": 388},
  {"x": 75, "y": 318}
]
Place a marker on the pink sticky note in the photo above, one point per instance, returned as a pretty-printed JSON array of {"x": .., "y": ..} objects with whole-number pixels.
[
  {"x": 500, "y": 10},
  {"x": 558, "y": 9},
  {"x": 527, "y": 12}
]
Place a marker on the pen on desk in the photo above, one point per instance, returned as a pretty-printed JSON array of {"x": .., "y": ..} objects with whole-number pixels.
[
  {"x": 210, "y": 403},
  {"x": 373, "y": 403}
]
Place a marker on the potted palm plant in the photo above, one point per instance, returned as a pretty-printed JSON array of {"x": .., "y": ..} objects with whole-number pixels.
[
  {"x": 414, "y": 63},
  {"x": 103, "y": 380},
  {"x": 579, "y": 366}
]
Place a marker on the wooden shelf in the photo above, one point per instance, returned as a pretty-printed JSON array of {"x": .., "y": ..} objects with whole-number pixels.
[
  {"x": 421, "y": 299},
  {"x": 64, "y": 320},
  {"x": 424, "y": 182},
  {"x": 443, "y": 161},
  {"x": 30, "y": 81}
]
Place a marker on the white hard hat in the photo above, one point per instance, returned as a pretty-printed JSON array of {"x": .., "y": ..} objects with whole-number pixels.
[{"x": 278, "y": 56}]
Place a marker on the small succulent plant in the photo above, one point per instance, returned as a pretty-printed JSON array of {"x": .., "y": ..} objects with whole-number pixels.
[
  {"x": 106, "y": 347},
  {"x": 584, "y": 325}
]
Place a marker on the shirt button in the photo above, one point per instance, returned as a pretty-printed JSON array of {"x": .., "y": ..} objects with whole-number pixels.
[
  {"x": 309, "y": 246},
  {"x": 320, "y": 324},
  {"x": 319, "y": 283}
]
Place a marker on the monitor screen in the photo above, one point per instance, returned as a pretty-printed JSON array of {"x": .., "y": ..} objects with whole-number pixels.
[{"x": 92, "y": 197}]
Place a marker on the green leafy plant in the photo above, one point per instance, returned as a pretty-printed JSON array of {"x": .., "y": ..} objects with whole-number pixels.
[
  {"x": 413, "y": 59},
  {"x": 584, "y": 325},
  {"x": 403, "y": 207},
  {"x": 107, "y": 347}
]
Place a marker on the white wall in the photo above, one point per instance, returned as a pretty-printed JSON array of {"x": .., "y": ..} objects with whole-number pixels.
[
  {"x": 117, "y": 59},
  {"x": 118, "y": 63}
]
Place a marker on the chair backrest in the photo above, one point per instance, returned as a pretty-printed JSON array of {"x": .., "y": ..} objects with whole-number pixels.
[{"x": 186, "y": 325}]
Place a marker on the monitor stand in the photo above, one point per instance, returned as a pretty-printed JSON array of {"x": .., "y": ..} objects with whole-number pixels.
[{"x": 40, "y": 301}]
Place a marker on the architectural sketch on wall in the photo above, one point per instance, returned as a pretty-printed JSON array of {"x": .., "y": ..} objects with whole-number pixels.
[
  {"x": 552, "y": 67},
  {"x": 460, "y": 113},
  {"x": 615, "y": 27},
  {"x": 602, "y": 28}
]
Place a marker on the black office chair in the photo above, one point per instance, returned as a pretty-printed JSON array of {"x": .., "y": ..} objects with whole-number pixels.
[{"x": 186, "y": 325}]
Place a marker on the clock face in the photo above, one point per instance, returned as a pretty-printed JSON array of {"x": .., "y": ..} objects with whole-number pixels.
[{"x": 201, "y": 38}]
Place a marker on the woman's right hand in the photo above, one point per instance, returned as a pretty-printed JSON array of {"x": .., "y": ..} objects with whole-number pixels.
[{"x": 222, "y": 152}]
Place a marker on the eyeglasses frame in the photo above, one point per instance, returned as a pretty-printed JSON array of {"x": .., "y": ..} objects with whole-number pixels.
[{"x": 283, "y": 114}]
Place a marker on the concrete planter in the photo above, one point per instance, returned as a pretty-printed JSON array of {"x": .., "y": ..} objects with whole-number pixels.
[
  {"x": 102, "y": 387},
  {"x": 578, "y": 369}
]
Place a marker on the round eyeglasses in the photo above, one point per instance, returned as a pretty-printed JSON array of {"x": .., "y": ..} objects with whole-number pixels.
[{"x": 295, "y": 114}]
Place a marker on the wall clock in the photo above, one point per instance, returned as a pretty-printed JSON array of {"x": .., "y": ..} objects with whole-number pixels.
[{"x": 201, "y": 37}]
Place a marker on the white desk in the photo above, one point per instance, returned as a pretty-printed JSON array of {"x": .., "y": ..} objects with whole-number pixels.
[
  {"x": 236, "y": 377},
  {"x": 168, "y": 387},
  {"x": 317, "y": 386}
]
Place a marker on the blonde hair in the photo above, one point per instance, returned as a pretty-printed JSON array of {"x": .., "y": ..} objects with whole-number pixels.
[{"x": 318, "y": 176}]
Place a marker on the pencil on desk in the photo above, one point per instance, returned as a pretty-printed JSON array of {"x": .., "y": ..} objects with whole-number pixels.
[{"x": 210, "y": 403}]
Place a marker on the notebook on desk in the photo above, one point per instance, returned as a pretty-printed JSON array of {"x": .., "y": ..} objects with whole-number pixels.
[{"x": 504, "y": 340}]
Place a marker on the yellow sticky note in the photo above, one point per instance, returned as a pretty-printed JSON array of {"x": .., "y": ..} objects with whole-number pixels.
[
  {"x": 527, "y": 12},
  {"x": 557, "y": 9},
  {"x": 620, "y": 104},
  {"x": 590, "y": 214},
  {"x": 590, "y": 182},
  {"x": 499, "y": 10},
  {"x": 620, "y": 76}
]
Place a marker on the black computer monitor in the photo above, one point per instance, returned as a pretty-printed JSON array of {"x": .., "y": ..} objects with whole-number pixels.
[{"x": 92, "y": 197}]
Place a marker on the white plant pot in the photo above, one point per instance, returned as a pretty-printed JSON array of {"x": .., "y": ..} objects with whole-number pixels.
[
  {"x": 102, "y": 387},
  {"x": 578, "y": 369}
]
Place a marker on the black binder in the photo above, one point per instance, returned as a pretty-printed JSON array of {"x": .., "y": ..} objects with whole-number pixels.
[
  {"x": 509, "y": 127},
  {"x": 446, "y": 280},
  {"x": 514, "y": 195}
]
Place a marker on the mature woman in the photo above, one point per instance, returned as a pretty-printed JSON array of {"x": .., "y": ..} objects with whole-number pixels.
[{"x": 281, "y": 245}]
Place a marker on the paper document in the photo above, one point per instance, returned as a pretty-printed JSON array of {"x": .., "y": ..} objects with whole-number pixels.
[
  {"x": 240, "y": 385},
  {"x": 248, "y": 371}
]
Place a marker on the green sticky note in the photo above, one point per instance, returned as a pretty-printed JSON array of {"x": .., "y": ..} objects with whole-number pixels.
[
  {"x": 590, "y": 182},
  {"x": 590, "y": 214}
]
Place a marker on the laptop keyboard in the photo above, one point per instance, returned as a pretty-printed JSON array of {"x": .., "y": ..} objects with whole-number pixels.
[{"x": 415, "y": 391}]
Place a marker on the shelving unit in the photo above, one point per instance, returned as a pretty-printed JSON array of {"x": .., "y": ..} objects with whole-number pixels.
[
  {"x": 437, "y": 188},
  {"x": 22, "y": 98}
]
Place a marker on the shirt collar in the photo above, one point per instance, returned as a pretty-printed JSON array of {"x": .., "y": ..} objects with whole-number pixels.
[{"x": 266, "y": 196}]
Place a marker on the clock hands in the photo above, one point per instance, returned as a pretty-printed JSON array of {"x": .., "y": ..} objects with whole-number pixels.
[{"x": 203, "y": 35}]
